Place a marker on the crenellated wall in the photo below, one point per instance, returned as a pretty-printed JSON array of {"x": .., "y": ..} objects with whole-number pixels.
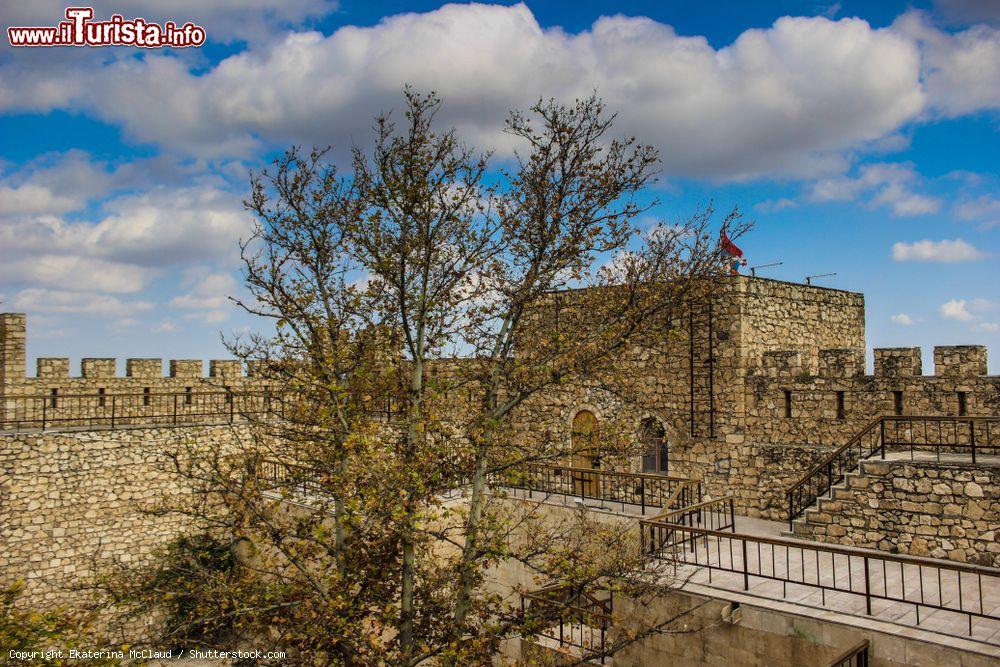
[
  {"x": 787, "y": 404},
  {"x": 100, "y": 375}
]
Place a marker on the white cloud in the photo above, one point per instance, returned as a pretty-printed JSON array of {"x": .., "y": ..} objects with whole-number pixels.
[
  {"x": 956, "y": 250},
  {"x": 903, "y": 319},
  {"x": 987, "y": 327},
  {"x": 966, "y": 311},
  {"x": 961, "y": 71},
  {"x": 224, "y": 20},
  {"x": 984, "y": 209},
  {"x": 53, "y": 184},
  {"x": 956, "y": 309},
  {"x": 79, "y": 303},
  {"x": 164, "y": 326},
  {"x": 789, "y": 99},
  {"x": 49, "y": 236},
  {"x": 885, "y": 184},
  {"x": 208, "y": 301},
  {"x": 776, "y": 205}
]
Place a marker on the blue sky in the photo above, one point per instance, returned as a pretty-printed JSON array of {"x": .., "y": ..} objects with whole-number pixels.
[{"x": 861, "y": 137}]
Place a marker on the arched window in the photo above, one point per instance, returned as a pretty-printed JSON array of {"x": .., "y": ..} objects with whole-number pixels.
[{"x": 654, "y": 441}]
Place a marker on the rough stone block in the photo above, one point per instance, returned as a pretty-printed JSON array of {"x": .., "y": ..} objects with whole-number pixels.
[
  {"x": 98, "y": 368},
  {"x": 898, "y": 362},
  {"x": 226, "y": 369},
  {"x": 52, "y": 368},
  {"x": 960, "y": 360},
  {"x": 186, "y": 368},
  {"x": 782, "y": 363},
  {"x": 842, "y": 362},
  {"x": 144, "y": 368}
]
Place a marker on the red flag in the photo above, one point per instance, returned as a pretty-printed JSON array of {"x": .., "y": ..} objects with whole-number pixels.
[{"x": 729, "y": 246}]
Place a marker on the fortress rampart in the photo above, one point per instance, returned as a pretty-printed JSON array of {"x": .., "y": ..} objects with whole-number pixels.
[{"x": 746, "y": 391}]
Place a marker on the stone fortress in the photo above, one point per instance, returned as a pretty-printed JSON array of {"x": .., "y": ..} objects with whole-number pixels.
[{"x": 754, "y": 389}]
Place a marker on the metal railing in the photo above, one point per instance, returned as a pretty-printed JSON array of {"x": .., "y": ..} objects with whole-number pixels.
[
  {"x": 856, "y": 656},
  {"x": 162, "y": 408},
  {"x": 970, "y": 435},
  {"x": 111, "y": 411},
  {"x": 571, "y": 617},
  {"x": 643, "y": 490},
  {"x": 290, "y": 478},
  {"x": 658, "y": 533},
  {"x": 874, "y": 576}
]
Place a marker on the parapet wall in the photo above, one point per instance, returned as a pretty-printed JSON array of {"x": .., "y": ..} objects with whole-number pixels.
[
  {"x": 787, "y": 402},
  {"x": 100, "y": 375}
]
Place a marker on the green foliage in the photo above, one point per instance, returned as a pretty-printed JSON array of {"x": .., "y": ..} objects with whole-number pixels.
[{"x": 28, "y": 630}]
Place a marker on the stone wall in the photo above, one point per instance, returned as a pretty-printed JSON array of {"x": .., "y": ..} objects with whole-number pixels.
[
  {"x": 70, "y": 499},
  {"x": 918, "y": 508},
  {"x": 829, "y": 408}
]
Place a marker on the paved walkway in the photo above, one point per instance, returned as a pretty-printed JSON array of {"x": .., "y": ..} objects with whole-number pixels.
[{"x": 800, "y": 573}]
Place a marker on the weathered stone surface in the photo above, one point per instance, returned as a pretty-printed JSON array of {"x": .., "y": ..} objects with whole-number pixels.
[{"x": 924, "y": 511}]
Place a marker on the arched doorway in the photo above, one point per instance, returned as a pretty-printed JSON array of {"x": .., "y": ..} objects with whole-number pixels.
[
  {"x": 584, "y": 439},
  {"x": 655, "y": 449}
]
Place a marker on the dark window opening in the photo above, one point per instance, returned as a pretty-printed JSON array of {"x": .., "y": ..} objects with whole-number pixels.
[
  {"x": 145, "y": 395},
  {"x": 187, "y": 396},
  {"x": 841, "y": 408},
  {"x": 788, "y": 403},
  {"x": 897, "y": 403},
  {"x": 101, "y": 400},
  {"x": 54, "y": 402},
  {"x": 963, "y": 407},
  {"x": 656, "y": 451},
  {"x": 229, "y": 394}
]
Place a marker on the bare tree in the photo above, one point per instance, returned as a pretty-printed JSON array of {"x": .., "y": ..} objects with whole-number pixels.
[{"x": 536, "y": 275}]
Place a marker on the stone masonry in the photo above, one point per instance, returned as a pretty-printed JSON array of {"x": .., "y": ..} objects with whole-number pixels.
[{"x": 918, "y": 508}]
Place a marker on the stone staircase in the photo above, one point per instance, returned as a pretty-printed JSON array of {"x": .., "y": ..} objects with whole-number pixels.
[
  {"x": 943, "y": 508},
  {"x": 821, "y": 520}
]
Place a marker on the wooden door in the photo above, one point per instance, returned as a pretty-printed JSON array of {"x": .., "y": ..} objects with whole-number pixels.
[{"x": 584, "y": 440}]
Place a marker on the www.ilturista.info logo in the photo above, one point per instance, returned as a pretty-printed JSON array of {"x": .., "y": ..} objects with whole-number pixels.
[{"x": 80, "y": 30}]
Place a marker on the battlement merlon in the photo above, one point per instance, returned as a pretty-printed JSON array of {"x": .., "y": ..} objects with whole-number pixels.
[
  {"x": 98, "y": 372},
  {"x": 12, "y": 348},
  {"x": 960, "y": 361},
  {"x": 898, "y": 362}
]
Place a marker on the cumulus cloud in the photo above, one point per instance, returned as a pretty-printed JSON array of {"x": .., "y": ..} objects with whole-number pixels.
[
  {"x": 956, "y": 309},
  {"x": 964, "y": 310},
  {"x": 224, "y": 20},
  {"x": 884, "y": 184},
  {"x": 956, "y": 250},
  {"x": 903, "y": 319},
  {"x": 987, "y": 327},
  {"x": 51, "y": 238},
  {"x": 984, "y": 209},
  {"x": 54, "y": 184},
  {"x": 208, "y": 298},
  {"x": 789, "y": 99},
  {"x": 961, "y": 71},
  {"x": 64, "y": 301}
]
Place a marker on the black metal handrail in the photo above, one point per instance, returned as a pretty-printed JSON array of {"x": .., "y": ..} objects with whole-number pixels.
[
  {"x": 570, "y": 616},
  {"x": 118, "y": 410},
  {"x": 45, "y": 412},
  {"x": 856, "y": 656},
  {"x": 641, "y": 489},
  {"x": 921, "y": 582},
  {"x": 974, "y": 435},
  {"x": 658, "y": 533}
]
